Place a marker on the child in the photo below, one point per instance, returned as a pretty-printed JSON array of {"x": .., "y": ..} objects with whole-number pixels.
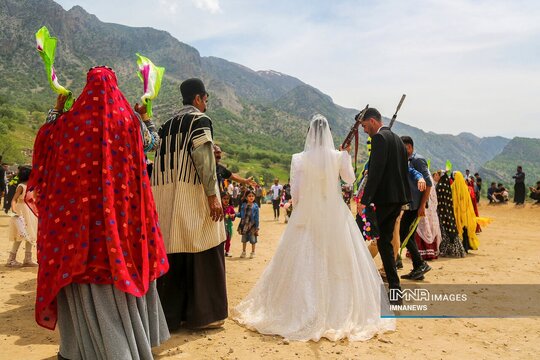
[
  {"x": 228, "y": 211},
  {"x": 288, "y": 207},
  {"x": 249, "y": 223},
  {"x": 23, "y": 223}
]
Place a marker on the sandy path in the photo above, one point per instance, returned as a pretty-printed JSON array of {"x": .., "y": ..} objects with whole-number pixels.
[{"x": 509, "y": 253}]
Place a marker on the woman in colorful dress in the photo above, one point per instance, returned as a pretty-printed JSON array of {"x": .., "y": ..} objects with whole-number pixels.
[
  {"x": 451, "y": 243},
  {"x": 472, "y": 193},
  {"x": 100, "y": 248},
  {"x": 464, "y": 212},
  {"x": 428, "y": 233}
]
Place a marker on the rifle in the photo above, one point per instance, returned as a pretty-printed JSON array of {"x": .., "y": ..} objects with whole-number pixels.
[
  {"x": 353, "y": 133},
  {"x": 398, "y": 107},
  {"x": 354, "y": 130}
]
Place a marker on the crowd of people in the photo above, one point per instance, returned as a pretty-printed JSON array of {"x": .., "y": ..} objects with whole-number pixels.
[
  {"x": 101, "y": 253},
  {"x": 104, "y": 258},
  {"x": 441, "y": 217}
]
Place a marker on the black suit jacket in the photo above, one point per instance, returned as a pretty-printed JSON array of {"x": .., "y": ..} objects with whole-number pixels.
[{"x": 387, "y": 181}]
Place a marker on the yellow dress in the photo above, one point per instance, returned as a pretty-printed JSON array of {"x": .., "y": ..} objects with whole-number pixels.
[{"x": 464, "y": 210}]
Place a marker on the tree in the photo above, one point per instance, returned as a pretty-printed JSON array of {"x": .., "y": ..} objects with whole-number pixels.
[
  {"x": 266, "y": 163},
  {"x": 243, "y": 156},
  {"x": 267, "y": 176},
  {"x": 10, "y": 153}
]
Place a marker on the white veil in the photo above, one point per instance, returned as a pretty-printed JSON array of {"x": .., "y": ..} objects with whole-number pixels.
[
  {"x": 315, "y": 173},
  {"x": 319, "y": 136}
]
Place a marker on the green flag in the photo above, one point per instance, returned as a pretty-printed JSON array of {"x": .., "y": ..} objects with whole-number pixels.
[
  {"x": 46, "y": 46},
  {"x": 151, "y": 76}
]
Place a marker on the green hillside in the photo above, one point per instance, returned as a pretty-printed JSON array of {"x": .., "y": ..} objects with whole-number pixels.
[
  {"x": 260, "y": 117},
  {"x": 519, "y": 151},
  {"x": 17, "y": 131}
]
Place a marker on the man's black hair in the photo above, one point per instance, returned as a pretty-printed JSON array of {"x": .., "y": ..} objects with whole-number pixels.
[
  {"x": 407, "y": 140},
  {"x": 190, "y": 88},
  {"x": 372, "y": 113},
  {"x": 191, "y": 99}
]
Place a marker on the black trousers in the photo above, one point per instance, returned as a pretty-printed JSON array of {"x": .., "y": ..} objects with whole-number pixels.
[
  {"x": 11, "y": 189},
  {"x": 193, "y": 293},
  {"x": 519, "y": 193},
  {"x": 275, "y": 204},
  {"x": 406, "y": 220},
  {"x": 386, "y": 219}
]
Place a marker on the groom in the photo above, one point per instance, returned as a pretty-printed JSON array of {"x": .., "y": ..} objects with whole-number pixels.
[{"x": 387, "y": 186}]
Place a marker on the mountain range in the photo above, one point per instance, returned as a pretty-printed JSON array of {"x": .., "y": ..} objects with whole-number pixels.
[{"x": 260, "y": 117}]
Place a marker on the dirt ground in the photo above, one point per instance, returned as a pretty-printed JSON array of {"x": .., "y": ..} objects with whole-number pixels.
[{"x": 509, "y": 254}]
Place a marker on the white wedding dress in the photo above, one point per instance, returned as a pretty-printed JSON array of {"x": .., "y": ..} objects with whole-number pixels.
[{"x": 322, "y": 281}]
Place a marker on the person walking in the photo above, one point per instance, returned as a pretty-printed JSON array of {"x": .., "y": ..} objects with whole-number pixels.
[{"x": 387, "y": 188}]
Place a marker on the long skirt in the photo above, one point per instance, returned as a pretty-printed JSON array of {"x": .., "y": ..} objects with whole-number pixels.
[
  {"x": 451, "y": 245},
  {"x": 427, "y": 251},
  {"x": 103, "y": 323},
  {"x": 193, "y": 293}
]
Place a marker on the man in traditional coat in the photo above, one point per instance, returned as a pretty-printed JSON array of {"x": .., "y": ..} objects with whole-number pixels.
[{"x": 184, "y": 181}]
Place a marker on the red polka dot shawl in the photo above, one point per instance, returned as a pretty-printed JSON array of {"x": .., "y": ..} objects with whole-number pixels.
[{"x": 97, "y": 218}]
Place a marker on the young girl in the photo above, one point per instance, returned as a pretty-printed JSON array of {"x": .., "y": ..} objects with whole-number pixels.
[
  {"x": 288, "y": 207},
  {"x": 249, "y": 223},
  {"x": 23, "y": 223},
  {"x": 230, "y": 215}
]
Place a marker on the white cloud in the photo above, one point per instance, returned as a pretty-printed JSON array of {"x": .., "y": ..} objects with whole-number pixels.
[
  {"x": 462, "y": 63},
  {"x": 169, "y": 6},
  {"x": 209, "y": 5}
]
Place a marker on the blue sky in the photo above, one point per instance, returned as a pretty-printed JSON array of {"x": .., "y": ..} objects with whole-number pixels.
[{"x": 466, "y": 66}]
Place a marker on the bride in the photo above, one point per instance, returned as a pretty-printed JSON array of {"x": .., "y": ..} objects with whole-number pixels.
[{"x": 322, "y": 281}]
